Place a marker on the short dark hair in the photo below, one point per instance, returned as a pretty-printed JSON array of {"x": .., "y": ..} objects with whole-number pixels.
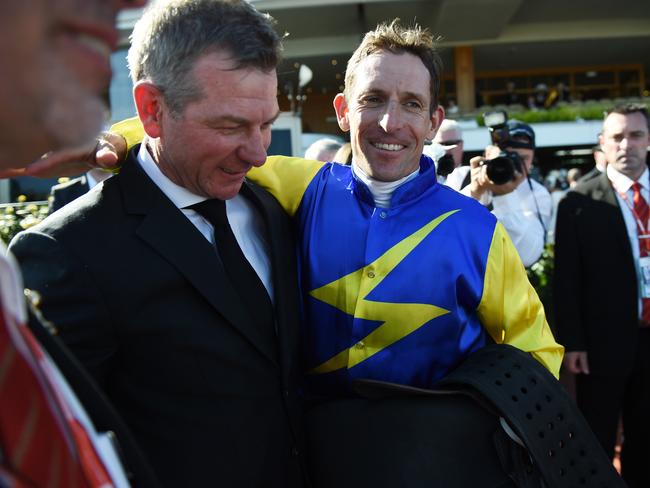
[
  {"x": 631, "y": 108},
  {"x": 396, "y": 38},
  {"x": 172, "y": 35}
]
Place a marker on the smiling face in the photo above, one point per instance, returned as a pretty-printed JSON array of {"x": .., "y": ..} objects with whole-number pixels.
[
  {"x": 388, "y": 114},
  {"x": 55, "y": 56},
  {"x": 211, "y": 145},
  {"x": 625, "y": 142}
]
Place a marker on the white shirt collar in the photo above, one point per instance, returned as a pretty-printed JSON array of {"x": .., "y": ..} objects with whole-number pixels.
[
  {"x": 180, "y": 196},
  {"x": 96, "y": 176},
  {"x": 381, "y": 191},
  {"x": 623, "y": 183}
]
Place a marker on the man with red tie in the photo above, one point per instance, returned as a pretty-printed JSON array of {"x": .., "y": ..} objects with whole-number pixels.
[{"x": 602, "y": 290}]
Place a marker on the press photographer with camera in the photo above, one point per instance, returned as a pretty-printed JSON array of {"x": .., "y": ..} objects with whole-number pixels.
[{"x": 500, "y": 180}]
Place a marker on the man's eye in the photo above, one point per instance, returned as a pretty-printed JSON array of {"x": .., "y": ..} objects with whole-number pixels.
[
  {"x": 371, "y": 100},
  {"x": 415, "y": 105}
]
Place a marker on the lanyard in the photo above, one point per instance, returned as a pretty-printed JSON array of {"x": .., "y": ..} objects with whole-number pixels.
[{"x": 642, "y": 229}]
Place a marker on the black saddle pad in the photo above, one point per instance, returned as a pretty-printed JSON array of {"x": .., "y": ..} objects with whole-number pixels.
[{"x": 445, "y": 441}]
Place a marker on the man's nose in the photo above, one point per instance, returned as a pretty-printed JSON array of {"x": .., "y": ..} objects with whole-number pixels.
[
  {"x": 391, "y": 120},
  {"x": 253, "y": 149},
  {"x": 624, "y": 143}
]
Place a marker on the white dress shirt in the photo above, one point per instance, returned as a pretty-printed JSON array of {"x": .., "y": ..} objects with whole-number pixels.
[
  {"x": 246, "y": 222},
  {"x": 623, "y": 184},
  {"x": 518, "y": 211}
]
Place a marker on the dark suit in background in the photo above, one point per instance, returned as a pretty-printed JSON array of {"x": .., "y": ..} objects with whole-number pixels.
[
  {"x": 63, "y": 193},
  {"x": 596, "y": 301},
  {"x": 141, "y": 298}
]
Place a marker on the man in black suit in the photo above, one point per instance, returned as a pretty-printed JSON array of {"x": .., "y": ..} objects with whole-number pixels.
[
  {"x": 65, "y": 192},
  {"x": 602, "y": 290},
  {"x": 195, "y": 345}
]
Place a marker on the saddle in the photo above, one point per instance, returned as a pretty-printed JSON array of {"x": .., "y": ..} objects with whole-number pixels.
[{"x": 498, "y": 420}]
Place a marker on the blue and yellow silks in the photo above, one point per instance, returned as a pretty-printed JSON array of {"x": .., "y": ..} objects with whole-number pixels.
[{"x": 401, "y": 294}]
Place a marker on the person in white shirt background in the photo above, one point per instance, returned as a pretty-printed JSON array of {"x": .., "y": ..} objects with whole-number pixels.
[{"x": 522, "y": 205}]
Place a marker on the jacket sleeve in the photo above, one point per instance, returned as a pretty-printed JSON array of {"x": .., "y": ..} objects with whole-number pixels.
[
  {"x": 510, "y": 309},
  {"x": 69, "y": 299}
]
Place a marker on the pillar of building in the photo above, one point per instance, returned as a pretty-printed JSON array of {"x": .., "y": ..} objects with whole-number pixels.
[{"x": 465, "y": 84}]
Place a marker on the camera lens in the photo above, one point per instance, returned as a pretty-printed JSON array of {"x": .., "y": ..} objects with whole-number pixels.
[{"x": 501, "y": 169}]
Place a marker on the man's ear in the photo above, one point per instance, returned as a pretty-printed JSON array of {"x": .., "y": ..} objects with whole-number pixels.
[
  {"x": 149, "y": 103},
  {"x": 341, "y": 108},
  {"x": 437, "y": 117}
]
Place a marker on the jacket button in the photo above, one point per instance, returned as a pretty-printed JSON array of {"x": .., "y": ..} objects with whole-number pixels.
[{"x": 295, "y": 451}]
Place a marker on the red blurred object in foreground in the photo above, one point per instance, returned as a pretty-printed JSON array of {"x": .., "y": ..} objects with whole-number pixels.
[{"x": 42, "y": 443}]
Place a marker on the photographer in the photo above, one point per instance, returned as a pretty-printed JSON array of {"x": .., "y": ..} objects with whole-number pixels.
[{"x": 500, "y": 180}]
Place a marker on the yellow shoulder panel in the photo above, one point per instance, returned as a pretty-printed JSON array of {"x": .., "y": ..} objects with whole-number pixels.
[
  {"x": 510, "y": 309},
  {"x": 286, "y": 179},
  {"x": 131, "y": 129}
]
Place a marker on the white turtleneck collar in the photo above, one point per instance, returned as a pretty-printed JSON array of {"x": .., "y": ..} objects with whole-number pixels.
[{"x": 382, "y": 191}]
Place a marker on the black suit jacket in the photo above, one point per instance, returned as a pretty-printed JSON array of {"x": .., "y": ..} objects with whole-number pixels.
[
  {"x": 64, "y": 193},
  {"x": 595, "y": 290},
  {"x": 141, "y": 298}
]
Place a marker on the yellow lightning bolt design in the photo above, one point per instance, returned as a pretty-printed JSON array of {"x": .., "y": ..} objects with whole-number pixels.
[{"x": 399, "y": 319}]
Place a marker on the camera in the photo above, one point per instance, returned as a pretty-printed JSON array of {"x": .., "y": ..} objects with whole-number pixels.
[
  {"x": 501, "y": 169},
  {"x": 445, "y": 165}
]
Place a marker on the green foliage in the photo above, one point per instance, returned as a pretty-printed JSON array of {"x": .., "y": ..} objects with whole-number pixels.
[
  {"x": 540, "y": 275},
  {"x": 20, "y": 216},
  {"x": 563, "y": 113}
]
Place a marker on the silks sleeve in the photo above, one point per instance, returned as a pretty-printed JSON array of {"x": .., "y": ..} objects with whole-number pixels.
[
  {"x": 131, "y": 129},
  {"x": 286, "y": 179},
  {"x": 510, "y": 309}
]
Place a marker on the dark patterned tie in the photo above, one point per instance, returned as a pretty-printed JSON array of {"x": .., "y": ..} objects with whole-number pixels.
[
  {"x": 643, "y": 213},
  {"x": 241, "y": 274}
]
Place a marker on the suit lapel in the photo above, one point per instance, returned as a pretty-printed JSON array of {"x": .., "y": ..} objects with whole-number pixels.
[
  {"x": 173, "y": 236},
  {"x": 605, "y": 193}
]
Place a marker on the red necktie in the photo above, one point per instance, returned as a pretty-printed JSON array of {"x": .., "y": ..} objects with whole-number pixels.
[{"x": 642, "y": 213}]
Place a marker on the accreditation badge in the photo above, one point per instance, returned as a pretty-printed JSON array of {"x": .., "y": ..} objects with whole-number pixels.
[{"x": 644, "y": 272}]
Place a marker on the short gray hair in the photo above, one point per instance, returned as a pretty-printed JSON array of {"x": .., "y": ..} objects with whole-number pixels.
[{"x": 172, "y": 34}]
